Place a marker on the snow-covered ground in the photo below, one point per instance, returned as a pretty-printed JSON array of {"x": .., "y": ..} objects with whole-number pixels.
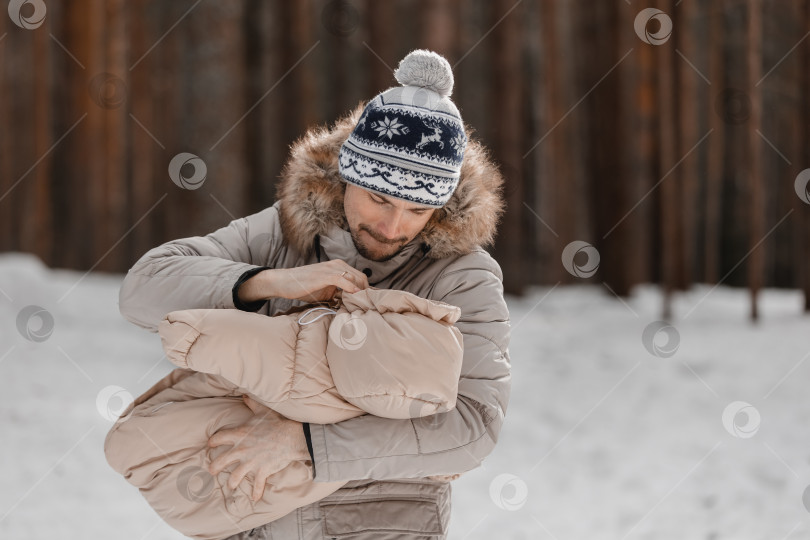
[{"x": 603, "y": 439}]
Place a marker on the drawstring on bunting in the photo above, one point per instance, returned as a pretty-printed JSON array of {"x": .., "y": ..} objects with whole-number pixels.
[{"x": 329, "y": 310}]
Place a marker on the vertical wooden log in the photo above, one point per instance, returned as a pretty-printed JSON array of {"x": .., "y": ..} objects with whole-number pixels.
[
  {"x": 566, "y": 206},
  {"x": 84, "y": 167},
  {"x": 172, "y": 99},
  {"x": 471, "y": 69},
  {"x": 341, "y": 22},
  {"x": 605, "y": 197},
  {"x": 216, "y": 82},
  {"x": 116, "y": 142},
  {"x": 690, "y": 94},
  {"x": 782, "y": 124},
  {"x": 63, "y": 116},
  {"x": 801, "y": 217},
  {"x": 573, "y": 187},
  {"x": 542, "y": 181},
  {"x": 636, "y": 154},
  {"x": 381, "y": 16},
  {"x": 757, "y": 231},
  {"x": 36, "y": 222},
  {"x": 552, "y": 193},
  {"x": 506, "y": 106},
  {"x": 438, "y": 29},
  {"x": 668, "y": 189},
  {"x": 147, "y": 182},
  {"x": 266, "y": 147},
  {"x": 20, "y": 46},
  {"x": 302, "y": 77},
  {"x": 716, "y": 164},
  {"x": 92, "y": 134},
  {"x": 644, "y": 165},
  {"x": 803, "y": 247},
  {"x": 630, "y": 152},
  {"x": 6, "y": 180},
  {"x": 20, "y": 152}
]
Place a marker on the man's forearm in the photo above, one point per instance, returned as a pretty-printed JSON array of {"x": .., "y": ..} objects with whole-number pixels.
[
  {"x": 239, "y": 298},
  {"x": 370, "y": 447},
  {"x": 256, "y": 287}
]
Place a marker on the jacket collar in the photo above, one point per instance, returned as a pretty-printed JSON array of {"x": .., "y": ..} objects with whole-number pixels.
[{"x": 311, "y": 195}]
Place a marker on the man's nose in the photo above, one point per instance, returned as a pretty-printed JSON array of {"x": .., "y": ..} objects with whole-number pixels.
[{"x": 390, "y": 225}]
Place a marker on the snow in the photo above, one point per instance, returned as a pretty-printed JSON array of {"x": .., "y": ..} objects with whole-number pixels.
[{"x": 603, "y": 440}]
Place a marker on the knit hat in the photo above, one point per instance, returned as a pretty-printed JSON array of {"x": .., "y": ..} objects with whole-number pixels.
[{"x": 410, "y": 140}]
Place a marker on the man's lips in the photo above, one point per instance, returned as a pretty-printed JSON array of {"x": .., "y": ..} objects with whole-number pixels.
[{"x": 386, "y": 242}]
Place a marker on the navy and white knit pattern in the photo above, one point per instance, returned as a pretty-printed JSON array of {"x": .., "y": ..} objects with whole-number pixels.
[{"x": 409, "y": 144}]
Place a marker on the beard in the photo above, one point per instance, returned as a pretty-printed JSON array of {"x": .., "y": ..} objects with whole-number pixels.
[{"x": 370, "y": 254}]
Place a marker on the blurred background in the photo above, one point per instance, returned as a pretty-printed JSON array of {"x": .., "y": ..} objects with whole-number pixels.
[
  {"x": 657, "y": 163},
  {"x": 675, "y": 159}
]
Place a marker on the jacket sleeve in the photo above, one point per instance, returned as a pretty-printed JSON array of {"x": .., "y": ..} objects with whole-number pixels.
[
  {"x": 371, "y": 447},
  {"x": 200, "y": 271}
]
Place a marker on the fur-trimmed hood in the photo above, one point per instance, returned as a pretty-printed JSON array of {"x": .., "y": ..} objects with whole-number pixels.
[{"x": 311, "y": 194}]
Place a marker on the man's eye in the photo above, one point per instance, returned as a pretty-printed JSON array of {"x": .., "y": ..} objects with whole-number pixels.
[{"x": 378, "y": 201}]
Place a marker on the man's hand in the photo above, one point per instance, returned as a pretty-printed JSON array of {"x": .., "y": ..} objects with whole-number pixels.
[
  {"x": 263, "y": 445},
  {"x": 311, "y": 283}
]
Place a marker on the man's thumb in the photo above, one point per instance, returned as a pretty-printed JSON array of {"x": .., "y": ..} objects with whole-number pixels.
[{"x": 254, "y": 405}]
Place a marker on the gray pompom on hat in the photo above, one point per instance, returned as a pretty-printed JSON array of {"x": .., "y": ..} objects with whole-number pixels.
[
  {"x": 409, "y": 142},
  {"x": 427, "y": 70}
]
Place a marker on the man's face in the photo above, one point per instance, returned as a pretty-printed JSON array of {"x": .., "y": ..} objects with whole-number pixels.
[{"x": 381, "y": 225}]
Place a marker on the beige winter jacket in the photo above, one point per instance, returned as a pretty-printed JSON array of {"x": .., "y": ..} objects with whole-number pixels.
[
  {"x": 384, "y": 461},
  {"x": 384, "y": 352}
]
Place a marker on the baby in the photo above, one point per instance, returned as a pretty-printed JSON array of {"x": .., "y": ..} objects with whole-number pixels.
[{"x": 385, "y": 352}]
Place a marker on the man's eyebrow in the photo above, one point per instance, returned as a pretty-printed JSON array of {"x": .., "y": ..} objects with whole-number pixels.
[{"x": 386, "y": 199}]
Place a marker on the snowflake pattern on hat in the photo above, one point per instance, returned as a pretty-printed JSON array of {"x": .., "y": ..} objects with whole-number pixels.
[{"x": 387, "y": 128}]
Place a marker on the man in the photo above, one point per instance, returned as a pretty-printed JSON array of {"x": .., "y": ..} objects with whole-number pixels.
[{"x": 397, "y": 196}]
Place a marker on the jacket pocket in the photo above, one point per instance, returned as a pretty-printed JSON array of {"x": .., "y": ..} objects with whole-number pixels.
[{"x": 390, "y": 510}]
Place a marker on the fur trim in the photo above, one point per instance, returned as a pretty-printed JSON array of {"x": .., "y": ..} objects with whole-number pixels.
[{"x": 311, "y": 194}]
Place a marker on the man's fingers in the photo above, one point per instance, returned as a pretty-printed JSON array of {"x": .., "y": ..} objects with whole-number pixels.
[
  {"x": 254, "y": 405},
  {"x": 346, "y": 284},
  {"x": 357, "y": 277},
  {"x": 238, "y": 475},
  {"x": 224, "y": 460},
  {"x": 258, "y": 488},
  {"x": 222, "y": 437},
  {"x": 261, "y": 482}
]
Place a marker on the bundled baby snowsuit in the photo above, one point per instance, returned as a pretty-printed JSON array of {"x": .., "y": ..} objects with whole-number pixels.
[{"x": 385, "y": 352}]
